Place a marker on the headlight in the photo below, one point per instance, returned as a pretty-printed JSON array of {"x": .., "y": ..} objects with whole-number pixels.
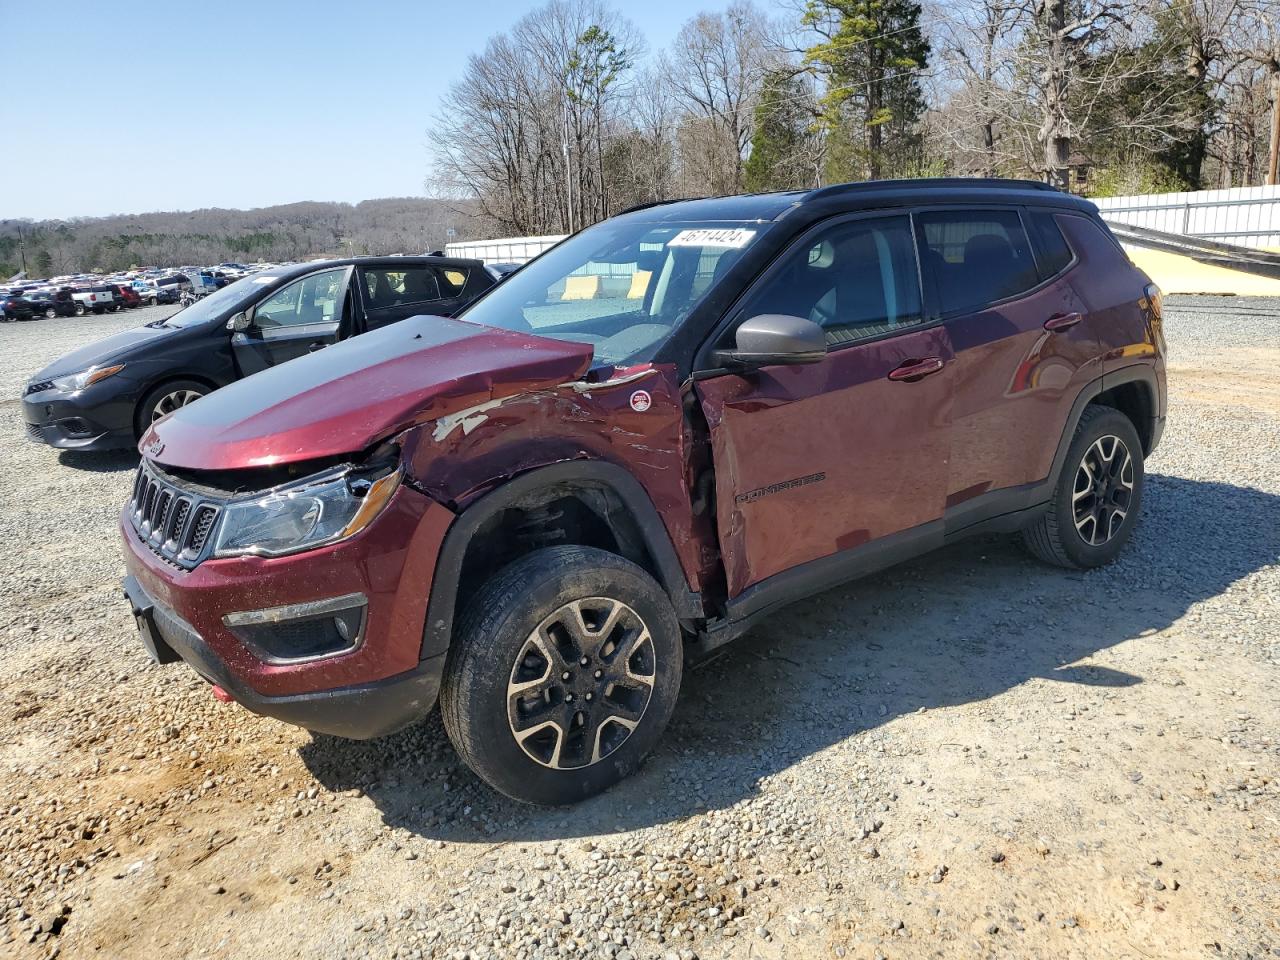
[
  {"x": 78, "y": 381},
  {"x": 311, "y": 514}
]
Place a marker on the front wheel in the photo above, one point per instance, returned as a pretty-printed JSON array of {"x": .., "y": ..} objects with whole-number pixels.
[
  {"x": 50, "y": 313},
  {"x": 165, "y": 399},
  {"x": 1098, "y": 495},
  {"x": 564, "y": 673}
]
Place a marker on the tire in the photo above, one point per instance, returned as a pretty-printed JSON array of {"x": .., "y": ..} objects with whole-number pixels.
[
  {"x": 50, "y": 313},
  {"x": 79, "y": 309},
  {"x": 1065, "y": 535},
  {"x": 164, "y": 399},
  {"x": 501, "y": 642},
  {"x": 151, "y": 301}
]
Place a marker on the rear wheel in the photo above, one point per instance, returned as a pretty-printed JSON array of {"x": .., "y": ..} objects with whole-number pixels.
[
  {"x": 564, "y": 673},
  {"x": 1098, "y": 496},
  {"x": 79, "y": 309},
  {"x": 165, "y": 399},
  {"x": 50, "y": 313}
]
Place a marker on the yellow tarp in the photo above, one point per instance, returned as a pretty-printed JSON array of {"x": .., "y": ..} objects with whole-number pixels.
[
  {"x": 581, "y": 288},
  {"x": 639, "y": 284},
  {"x": 1173, "y": 273}
]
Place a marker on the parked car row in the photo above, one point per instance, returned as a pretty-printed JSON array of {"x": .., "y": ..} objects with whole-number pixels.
[
  {"x": 615, "y": 460},
  {"x": 78, "y": 294}
]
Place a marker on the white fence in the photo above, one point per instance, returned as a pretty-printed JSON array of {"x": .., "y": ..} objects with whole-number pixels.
[
  {"x": 507, "y": 250},
  {"x": 1245, "y": 216}
]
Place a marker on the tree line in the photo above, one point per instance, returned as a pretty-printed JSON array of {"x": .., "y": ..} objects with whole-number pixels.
[
  {"x": 292, "y": 231},
  {"x": 567, "y": 117}
]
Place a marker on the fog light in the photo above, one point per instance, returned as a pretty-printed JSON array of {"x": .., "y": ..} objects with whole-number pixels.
[{"x": 302, "y": 631}]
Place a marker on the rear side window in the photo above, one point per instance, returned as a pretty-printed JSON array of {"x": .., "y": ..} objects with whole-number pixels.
[
  {"x": 855, "y": 279},
  {"x": 1054, "y": 252},
  {"x": 398, "y": 286},
  {"x": 452, "y": 280},
  {"x": 975, "y": 257}
]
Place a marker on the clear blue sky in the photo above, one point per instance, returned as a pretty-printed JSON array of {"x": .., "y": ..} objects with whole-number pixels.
[{"x": 129, "y": 106}]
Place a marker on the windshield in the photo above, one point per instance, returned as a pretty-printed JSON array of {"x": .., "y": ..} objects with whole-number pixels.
[
  {"x": 232, "y": 297},
  {"x": 621, "y": 286}
]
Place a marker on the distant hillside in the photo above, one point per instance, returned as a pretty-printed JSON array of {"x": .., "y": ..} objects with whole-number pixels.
[{"x": 291, "y": 231}]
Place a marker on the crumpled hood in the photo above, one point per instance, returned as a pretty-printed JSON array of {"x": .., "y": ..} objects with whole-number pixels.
[
  {"x": 346, "y": 397},
  {"x": 102, "y": 352}
]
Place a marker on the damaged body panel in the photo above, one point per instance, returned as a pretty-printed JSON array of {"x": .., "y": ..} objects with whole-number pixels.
[{"x": 351, "y": 395}]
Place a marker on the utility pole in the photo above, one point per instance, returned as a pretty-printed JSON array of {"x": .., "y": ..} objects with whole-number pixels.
[{"x": 22, "y": 246}]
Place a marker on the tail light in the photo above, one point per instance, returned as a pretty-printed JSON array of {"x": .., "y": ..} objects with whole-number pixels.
[{"x": 1154, "y": 300}]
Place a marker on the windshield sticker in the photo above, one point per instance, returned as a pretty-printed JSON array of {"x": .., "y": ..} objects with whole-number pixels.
[{"x": 731, "y": 238}]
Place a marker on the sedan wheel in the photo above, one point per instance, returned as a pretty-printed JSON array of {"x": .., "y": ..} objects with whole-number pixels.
[
  {"x": 172, "y": 401},
  {"x": 50, "y": 313}
]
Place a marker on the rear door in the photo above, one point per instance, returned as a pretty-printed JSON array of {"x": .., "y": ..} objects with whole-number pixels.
[
  {"x": 1022, "y": 348},
  {"x": 301, "y": 317},
  {"x": 393, "y": 292},
  {"x": 817, "y": 460}
]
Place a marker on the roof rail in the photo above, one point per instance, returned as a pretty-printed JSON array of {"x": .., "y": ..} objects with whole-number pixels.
[
  {"x": 950, "y": 183},
  {"x": 655, "y": 203}
]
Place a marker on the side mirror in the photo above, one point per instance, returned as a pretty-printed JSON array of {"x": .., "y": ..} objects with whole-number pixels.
[
  {"x": 775, "y": 338},
  {"x": 239, "y": 322}
]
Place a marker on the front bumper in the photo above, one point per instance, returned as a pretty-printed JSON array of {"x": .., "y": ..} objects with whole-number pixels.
[
  {"x": 363, "y": 692},
  {"x": 358, "y": 712},
  {"x": 88, "y": 420}
]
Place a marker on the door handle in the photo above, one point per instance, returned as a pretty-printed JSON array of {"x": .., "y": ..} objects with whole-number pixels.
[
  {"x": 1061, "y": 321},
  {"x": 913, "y": 370},
  {"x": 318, "y": 345}
]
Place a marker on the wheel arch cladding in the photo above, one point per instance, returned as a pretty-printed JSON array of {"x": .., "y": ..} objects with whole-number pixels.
[
  {"x": 1136, "y": 400},
  {"x": 582, "y": 502},
  {"x": 1104, "y": 391}
]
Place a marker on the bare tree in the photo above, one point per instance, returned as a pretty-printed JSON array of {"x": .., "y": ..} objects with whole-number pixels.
[
  {"x": 718, "y": 64},
  {"x": 1261, "y": 21}
]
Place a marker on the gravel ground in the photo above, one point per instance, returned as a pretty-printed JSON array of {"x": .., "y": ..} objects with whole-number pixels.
[{"x": 969, "y": 755}]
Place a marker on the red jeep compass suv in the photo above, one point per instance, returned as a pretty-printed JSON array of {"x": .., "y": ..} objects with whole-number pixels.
[{"x": 618, "y": 459}]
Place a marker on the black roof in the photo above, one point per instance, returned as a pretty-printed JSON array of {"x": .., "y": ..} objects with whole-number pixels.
[
  {"x": 296, "y": 269},
  {"x": 869, "y": 193}
]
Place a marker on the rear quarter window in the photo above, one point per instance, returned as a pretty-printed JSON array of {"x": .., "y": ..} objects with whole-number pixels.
[{"x": 1055, "y": 254}]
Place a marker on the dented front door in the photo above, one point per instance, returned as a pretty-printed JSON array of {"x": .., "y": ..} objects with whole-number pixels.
[{"x": 813, "y": 460}]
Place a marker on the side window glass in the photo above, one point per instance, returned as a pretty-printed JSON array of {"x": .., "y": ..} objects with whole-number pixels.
[
  {"x": 1054, "y": 252},
  {"x": 976, "y": 257},
  {"x": 452, "y": 280},
  {"x": 398, "y": 286},
  {"x": 313, "y": 299},
  {"x": 856, "y": 280}
]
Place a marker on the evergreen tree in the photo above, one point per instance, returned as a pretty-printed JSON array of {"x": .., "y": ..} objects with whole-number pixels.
[
  {"x": 780, "y": 145},
  {"x": 871, "y": 55}
]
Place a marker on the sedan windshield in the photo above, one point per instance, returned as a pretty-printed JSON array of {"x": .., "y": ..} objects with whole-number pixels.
[
  {"x": 622, "y": 286},
  {"x": 232, "y": 297}
]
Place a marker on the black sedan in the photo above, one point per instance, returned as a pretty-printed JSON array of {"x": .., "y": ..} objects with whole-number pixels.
[{"x": 104, "y": 396}]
